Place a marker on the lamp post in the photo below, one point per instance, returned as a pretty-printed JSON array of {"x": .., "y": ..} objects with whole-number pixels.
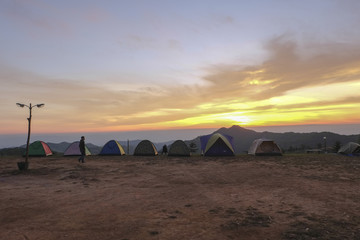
[
  {"x": 30, "y": 106},
  {"x": 325, "y": 144}
]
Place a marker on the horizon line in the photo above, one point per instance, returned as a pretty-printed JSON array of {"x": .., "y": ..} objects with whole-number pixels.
[{"x": 278, "y": 127}]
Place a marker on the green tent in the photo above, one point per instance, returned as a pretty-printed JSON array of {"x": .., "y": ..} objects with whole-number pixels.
[
  {"x": 145, "y": 148},
  {"x": 39, "y": 148},
  {"x": 179, "y": 148}
]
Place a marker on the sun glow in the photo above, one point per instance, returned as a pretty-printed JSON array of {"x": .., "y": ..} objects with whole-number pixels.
[
  {"x": 239, "y": 119},
  {"x": 260, "y": 82}
]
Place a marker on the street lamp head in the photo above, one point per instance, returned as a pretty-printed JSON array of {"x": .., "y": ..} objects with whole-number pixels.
[
  {"x": 20, "y": 105},
  {"x": 40, "y": 105}
]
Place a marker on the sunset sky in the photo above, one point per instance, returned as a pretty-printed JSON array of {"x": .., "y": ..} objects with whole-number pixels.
[{"x": 130, "y": 65}]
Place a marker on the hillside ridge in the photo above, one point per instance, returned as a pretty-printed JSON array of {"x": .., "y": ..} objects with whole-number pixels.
[{"x": 242, "y": 139}]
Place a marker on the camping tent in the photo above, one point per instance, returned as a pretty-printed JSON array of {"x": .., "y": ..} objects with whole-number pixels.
[
  {"x": 179, "y": 148},
  {"x": 39, "y": 148},
  {"x": 264, "y": 147},
  {"x": 74, "y": 150},
  {"x": 112, "y": 147},
  {"x": 217, "y": 145},
  {"x": 145, "y": 148},
  {"x": 350, "y": 148}
]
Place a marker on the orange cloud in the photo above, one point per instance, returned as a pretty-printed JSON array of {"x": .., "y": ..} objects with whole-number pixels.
[
  {"x": 286, "y": 70},
  {"x": 281, "y": 90}
]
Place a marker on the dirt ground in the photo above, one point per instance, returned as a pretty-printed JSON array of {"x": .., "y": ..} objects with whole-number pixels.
[{"x": 136, "y": 198}]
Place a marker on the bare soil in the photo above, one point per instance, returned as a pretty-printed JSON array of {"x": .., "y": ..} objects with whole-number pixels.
[{"x": 136, "y": 198}]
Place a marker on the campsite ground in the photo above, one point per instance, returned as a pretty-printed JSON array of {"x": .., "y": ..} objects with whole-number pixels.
[{"x": 243, "y": 197}]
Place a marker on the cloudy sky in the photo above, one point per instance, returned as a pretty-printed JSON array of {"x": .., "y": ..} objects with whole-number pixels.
[{"x": 130, "y": 65}]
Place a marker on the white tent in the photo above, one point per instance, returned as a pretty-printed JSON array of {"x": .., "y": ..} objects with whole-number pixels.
[
  {"x": 74, "y": 150},
  {"x": 350, "y": 148},
  {"x": 264, "y": 147}
]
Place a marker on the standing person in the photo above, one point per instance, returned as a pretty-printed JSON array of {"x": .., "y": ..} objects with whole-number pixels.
[
  {"x": 82, "y": 149},
  {"x": 164, "y": 150}
]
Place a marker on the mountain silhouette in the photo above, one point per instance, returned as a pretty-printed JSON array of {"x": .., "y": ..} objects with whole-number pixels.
[{"x": 243, "y": 138}]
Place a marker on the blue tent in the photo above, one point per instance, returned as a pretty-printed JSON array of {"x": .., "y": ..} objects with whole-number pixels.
[
  {"x": 217, "y": 145},
  {"x": 112, "y": 147}
]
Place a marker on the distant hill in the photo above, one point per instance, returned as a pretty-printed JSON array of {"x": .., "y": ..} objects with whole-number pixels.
[
  {"x": 243, "y": 138},
  {"x": 288, "y": 141}
]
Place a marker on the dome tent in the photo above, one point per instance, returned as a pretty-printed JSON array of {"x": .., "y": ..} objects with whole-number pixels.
[
  {"x": 39, "y": 149},
  {"x": 145, "y": 148},
  {"x": 350, "y": 149},
  {"x": 74, "y": 150},
  {"x": 179, "y": 148},
  {"x": 112, "y": 147},
  {"x": 217, "y": 145},
  {"x": 266, "y": 147}
]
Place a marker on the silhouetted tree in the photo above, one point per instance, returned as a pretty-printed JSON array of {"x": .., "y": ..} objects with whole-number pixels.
[{"x": 337, "y": 146}]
